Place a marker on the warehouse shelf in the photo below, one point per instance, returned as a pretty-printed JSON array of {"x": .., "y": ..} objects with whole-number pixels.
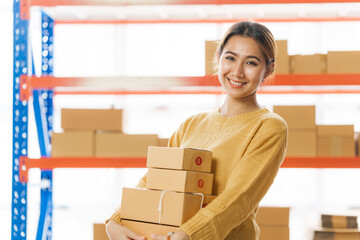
[
  {"x": 50, "y": 163},
  {"x": 24, "y": 86},
  {"x": 216, "y": 21},
  {"x": 171, "y": 85},
  {"x": 173, "y": 2}
]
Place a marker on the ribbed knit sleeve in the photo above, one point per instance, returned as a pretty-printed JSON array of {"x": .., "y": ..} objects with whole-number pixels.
[{"x": 247, "y": 184}]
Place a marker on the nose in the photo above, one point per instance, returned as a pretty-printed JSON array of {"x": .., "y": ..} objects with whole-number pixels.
[{"x": 239, "y": 70}]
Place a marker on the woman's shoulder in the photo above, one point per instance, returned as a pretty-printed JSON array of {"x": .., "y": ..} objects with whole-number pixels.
[{"x": 273, "y": 120}]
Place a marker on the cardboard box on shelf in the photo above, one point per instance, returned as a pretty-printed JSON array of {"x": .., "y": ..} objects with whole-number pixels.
[
  {"x": 297, "y": 117},
  {"x": 163, "y": 142},
  {"x": 92, "y": 119},
  {"x": 176, "y": 208},
  {"x": 343, "y": 62},
  {"x": 146, "y": 229},
  {"x": 100, "y": 231},
  {"x": 301, "y": 143},
  {"x": 335, "y": 140},
  {"x": 273, "y": 216},
  {"x": 210, "y": 50},
  {"x": 179, "y": 180},
  {"x": 274, "y": 233},
  {"x": 339, "y": 221},
  {"x": 282, "y": 64},
  {"x": 73, "y": 144},
  {"x": 308, "y": 64},
  {"x": 110, "y": 144},
  {"x": 179, "y": 158},
  {"x": 337, "y": 233}
]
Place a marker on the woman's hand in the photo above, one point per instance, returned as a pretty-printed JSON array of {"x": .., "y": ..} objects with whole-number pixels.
[
  {"x": 179, "y": 235},
  {"x": 116, "y": 231}
]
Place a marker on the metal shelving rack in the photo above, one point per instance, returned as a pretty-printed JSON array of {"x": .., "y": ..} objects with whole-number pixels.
[{"x": 42, "y": 91}]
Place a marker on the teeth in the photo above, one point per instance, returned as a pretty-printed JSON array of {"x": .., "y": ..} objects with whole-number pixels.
[{"x": 237, "y": 83}]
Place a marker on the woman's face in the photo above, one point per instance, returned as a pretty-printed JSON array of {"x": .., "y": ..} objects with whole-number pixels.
[{"x": 242, "y": 67}]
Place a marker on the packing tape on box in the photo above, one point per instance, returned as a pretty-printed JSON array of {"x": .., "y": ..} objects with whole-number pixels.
[{"x": 163, "y": 194}]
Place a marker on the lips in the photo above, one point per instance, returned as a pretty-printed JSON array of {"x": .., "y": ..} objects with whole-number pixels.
[{"x": 236, "y": 84}]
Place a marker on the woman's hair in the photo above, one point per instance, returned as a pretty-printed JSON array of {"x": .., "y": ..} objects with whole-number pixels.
[{"x": 256, "y": 31}]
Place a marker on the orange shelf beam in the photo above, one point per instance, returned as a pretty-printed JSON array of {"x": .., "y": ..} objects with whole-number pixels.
[
  {"x": 166, "y": 85},
  {"x": 216, "y": 21},
  {"x": 140, "y": 162},
  {"x": 206, "y": 92},
  {"x": 48, "y": 3},
  {"x": 78, "y": 162},
  {"x": 321, "y": 162}
]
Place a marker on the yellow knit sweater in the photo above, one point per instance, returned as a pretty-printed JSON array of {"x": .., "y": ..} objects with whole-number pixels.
[{"x": 248, "y": 150}]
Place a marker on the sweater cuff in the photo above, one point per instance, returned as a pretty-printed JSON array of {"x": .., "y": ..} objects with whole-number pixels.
[{"x": 199, "y": 227}]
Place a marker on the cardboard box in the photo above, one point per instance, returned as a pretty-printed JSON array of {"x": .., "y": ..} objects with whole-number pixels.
[
  {"x": 343, "y": 62},
  {"x": 108, "y": 144},
  {"x": 180, "y": 181},
  {"x": 302, "y": 143},
  {"x": 282, "y": 60},
  {"x": 308, "y": 64},
  {"x": 100, "y": 231},
  {"x": 163, "y": 142},
  {"x": 274, "y": 233},
  {"x": 92, "y": 119},
  {"x": 179, "y": 158},
  {"x": 335, "y": 140},
  {"x": 210, "y": 51},
  {"x": 273, "y": 216},
  {"x": 297, "y": 117},
  {"x": 72, "y": 144},
  {"x": 337, "y": 234},
  {"x": 339, "y": 221},
  {"x": 176, "y": 208},
  {"x": 146, "y": 229}
]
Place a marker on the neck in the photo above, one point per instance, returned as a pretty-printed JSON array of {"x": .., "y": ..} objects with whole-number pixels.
[{"x": 233, "y": 107}]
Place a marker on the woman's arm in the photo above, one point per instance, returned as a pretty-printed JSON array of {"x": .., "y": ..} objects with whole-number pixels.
[{"x": 249, "y": 181}]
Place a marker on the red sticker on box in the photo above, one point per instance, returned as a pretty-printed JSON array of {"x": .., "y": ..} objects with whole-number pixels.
[
  {"x": 200, "y": 183},
  {"x": 198, "y": 161}
]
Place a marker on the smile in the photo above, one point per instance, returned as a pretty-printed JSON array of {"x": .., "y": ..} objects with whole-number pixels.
[{"x": 237, "y": 83}]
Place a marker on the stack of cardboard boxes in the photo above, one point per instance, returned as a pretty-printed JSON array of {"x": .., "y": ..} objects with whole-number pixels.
[
  {"x": 305, "y": 139},
  {"x": 99, "y": 133},
  {"x": 338, "y": 62},
  {"x": 301, "y": 129},
  {"x": 273, "y": 223},
  {"x": 179, "y": 184},
  {"x": 338, "y": 227}
]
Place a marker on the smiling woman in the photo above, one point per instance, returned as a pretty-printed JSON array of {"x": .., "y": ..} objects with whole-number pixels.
[{"x": 248, "y": 143}]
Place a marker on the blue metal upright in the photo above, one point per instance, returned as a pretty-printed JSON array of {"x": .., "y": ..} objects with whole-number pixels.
[
  {"x": 20, "y": 119},
  {"x": 43, "y": 109}
]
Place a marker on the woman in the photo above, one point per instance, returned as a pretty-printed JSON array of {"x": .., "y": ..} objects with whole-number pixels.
[{"x": 248, "y": 142}]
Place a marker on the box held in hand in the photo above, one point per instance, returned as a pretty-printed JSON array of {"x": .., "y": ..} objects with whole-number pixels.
[
  {"x": 164, "y": 207},
  {"x": 180, "y": 181},
  {"x": 179, "y": 158}
]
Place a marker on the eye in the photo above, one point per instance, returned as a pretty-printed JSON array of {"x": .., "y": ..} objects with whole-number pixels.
[
  {"x": 230, "y": 58},
  {"x": 252, "y": 63}
]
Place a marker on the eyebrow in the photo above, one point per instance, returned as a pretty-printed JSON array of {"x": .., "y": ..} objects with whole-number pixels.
[{"x": 250, "y": 56}]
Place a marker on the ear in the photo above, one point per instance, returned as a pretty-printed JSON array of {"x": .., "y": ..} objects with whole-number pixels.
[{"x": 269, "y": 70}]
